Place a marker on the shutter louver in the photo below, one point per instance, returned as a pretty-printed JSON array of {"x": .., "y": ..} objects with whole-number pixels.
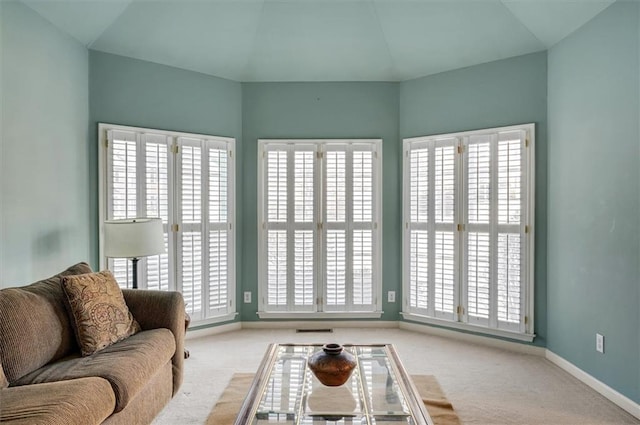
[
  {"x": 303, "y": 268},
  {"x": 303, "y": 186},
  {"x": 479, "y": 180},
  {"x": 478, "y": 275},
  {"x": 419, "y": 187},
  {"x": 277, "y": 186},
  {"x": 218, "y": 184},
  {"x": 124, "y": 183},
  {"x": 509, "y": 278},
  {"x": 509, "y": 179},
  {"x": 277, "y": 267},
  {"x": 336, "y": 187},
  {"x": 444, "y": 184},
  {"x": 336, "y": 268},
  {"x": 362, "y": 267},
  {"x": 192, "y": 271},
  {"x": 444, "y": 272},
  {"x": 191, "y": 185},
  {"x": 362, "y": 186},
  {"x": 218, "y": 270},
  {"x": 419, "y": 270}
]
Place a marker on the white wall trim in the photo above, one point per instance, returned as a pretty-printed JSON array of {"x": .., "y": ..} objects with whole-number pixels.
[
  {"x": 304, "y": 324},
  {"x": 212, "y": 330},
  {"x": 468, "y": 327},
  {"x": 289, "y": 315},
  {"x": 619, "y": 399},
  {"x": 476, "y": 339}
]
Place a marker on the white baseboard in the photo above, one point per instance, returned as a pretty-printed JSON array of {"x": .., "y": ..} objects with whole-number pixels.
[
  {"x": 302, "y": 324},
  {"x": 613, "y": 395},
  {"x": 476, "y": 339},
  {"x": 212, "y": 330}
]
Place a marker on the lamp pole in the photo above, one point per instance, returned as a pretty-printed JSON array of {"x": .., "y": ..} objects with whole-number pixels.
[{"x": 134, "y": 262}]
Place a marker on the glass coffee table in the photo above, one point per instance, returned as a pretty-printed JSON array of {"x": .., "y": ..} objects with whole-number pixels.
[{"x": 379, "y": 391}]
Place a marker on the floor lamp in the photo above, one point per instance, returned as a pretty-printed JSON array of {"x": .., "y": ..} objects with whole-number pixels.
[{"x": 133, "y": 238}]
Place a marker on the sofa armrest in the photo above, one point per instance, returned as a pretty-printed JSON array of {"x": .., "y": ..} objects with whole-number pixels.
[{"x": 161, "y": 309}]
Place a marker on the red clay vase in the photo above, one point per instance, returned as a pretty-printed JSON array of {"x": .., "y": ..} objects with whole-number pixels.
[{"x": 333, "y": 365}]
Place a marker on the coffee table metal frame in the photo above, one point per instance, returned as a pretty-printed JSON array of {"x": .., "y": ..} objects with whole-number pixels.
[{"x": 252, "y": 401}]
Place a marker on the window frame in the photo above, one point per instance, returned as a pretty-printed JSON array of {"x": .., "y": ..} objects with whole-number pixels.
[
  {"x": 174, "y": 153},
  {"x": 461, "y": 319},
  {"x": 320, "y": 148}
]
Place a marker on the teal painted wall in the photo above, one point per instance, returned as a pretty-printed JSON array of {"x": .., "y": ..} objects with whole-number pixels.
[
  {"x": 45, "y": 161},
  {"x": 594, "y": 193},
  {"x": 500, "y": 93},
  {"x": 143, "y": 94},
  {"x": 323, "y": 110}
]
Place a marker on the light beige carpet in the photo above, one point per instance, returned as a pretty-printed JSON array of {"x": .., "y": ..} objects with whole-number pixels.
[
  {"x": 487, "y": 385},
  {"x": 228, "y": 405}
]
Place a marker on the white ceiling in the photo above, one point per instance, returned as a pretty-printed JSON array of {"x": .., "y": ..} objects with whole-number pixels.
[{"x": 319, "y": 40}]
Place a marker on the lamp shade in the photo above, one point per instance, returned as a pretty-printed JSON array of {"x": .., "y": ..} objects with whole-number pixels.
[{"x": 133, "y": 238}]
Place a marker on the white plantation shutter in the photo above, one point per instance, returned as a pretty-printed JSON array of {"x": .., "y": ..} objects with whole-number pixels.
[
  {"x": 138, "y": 169},
  {"x": 204, "y": 250},
  {"x": 510, "y": 227},
  {"x": 348, "y": 226},
  {"x": 431, "y": 173},
  {"x": 480, "y": 210},
  {"x": 188, "y": 183},
  {"x": 156, "y": 197},
  {"x": 122, "y": 191},
  {"x": 190, "y": 221},
  {"x": 467, "y": 212},
  {"x": 319, "y": 232},
  {"x": 290, "y": 226}
]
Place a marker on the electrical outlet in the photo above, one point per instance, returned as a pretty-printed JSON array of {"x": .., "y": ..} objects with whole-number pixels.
[
  {"x": 247, "y": 297},
  {"x": 391, "y": 296},
  {"x": 600, "y": 343}
]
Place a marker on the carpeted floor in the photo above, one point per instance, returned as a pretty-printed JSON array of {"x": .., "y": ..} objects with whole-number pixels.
[{"x": 487, "y": 386}]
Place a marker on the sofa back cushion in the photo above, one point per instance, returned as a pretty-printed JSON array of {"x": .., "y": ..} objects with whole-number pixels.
[{"x": 35, "y": 328}]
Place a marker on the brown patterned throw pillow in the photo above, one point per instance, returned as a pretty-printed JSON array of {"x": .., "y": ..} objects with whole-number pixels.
[{"x": 100, "y": 315}]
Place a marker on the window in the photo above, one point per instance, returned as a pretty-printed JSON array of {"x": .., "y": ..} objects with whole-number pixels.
[
  {"x": 468, "y": 230},
  {"x": 188, "y": 181},
  {"x": 319, "y": 220}
]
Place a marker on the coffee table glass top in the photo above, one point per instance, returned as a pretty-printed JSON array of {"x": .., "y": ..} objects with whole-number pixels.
[{"x": 378, "y": 392}]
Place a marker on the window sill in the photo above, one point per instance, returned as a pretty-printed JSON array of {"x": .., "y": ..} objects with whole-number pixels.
[
  {"x": 319, "y": 315},
  {"x": 468, "y": 327},
  {"x": 212, "y": 320}
]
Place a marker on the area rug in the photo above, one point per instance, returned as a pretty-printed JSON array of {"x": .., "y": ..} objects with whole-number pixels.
[{"x": 229, "y": 403}]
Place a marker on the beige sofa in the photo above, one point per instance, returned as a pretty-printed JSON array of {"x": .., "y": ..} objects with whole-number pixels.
[{"x": 44, "y": 380}]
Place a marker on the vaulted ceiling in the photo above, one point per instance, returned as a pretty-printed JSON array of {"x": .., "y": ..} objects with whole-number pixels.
[{"x": 318, "y": 40}]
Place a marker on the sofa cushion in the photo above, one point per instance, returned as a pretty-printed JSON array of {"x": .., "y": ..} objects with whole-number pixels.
[
  {"x": 83, "y": 401},
  {"x": 100, "y": 316},
  {"x": 35, "y": 325},
  {"x": 128, "y": 365}
]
